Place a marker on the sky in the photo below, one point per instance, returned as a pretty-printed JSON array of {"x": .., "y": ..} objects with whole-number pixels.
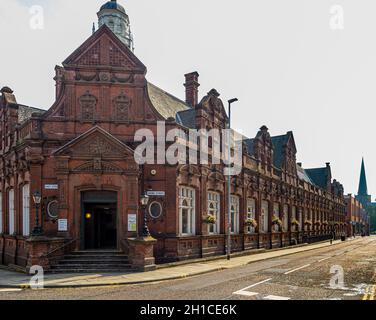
[{"x": 294, "y": 65}]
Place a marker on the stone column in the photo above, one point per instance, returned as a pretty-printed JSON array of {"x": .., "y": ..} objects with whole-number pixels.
[{"x": 141, "y": 253}]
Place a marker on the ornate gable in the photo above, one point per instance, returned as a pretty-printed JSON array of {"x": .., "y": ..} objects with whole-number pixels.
[
  {"x": 290, "y": 154},
  {"x": 263, "y": 147},
  {"x": 103, "y": 48},
  {"x": 95, "y": 143},
  {"x": 211, "y": 112},
  {"x": 291, "y": 142}
]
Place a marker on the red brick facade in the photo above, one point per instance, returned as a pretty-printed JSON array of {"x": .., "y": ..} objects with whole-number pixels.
[
  {"x": 357, "y": 221},
  {"x": 84, "y": 145}
]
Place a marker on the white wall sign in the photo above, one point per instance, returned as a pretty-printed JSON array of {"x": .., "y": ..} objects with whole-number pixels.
[
  {"x": 51, "y": 186},
  {"x": 156, "y": 193},
  {"x": 63, "y": 225},
  {"x": 132, "y": 222}
]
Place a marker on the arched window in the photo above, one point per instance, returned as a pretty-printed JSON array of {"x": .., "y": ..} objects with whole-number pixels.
[
  {"x": 285, "y": 218},
  {"x": 11, "y": 211},
  {"x": 214, "y": 210},
  {"x": 276, "y": 214},
  {"x": 264, "y": 217},
  {"x": 234, "y": 214},
  {"x": 294, "y": 217},
  {"x": 300, "y": 219},
  {"x": 111, "y": 24},
  {"x": 186, "y": 211},
  {"x": 251, "y": 213},
  {"x": 26, "y": 210}
]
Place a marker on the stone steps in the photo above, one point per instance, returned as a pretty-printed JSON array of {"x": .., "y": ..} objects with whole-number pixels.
[
  {"x": 93, "y": 262},
  {"x": 100, "y": 271}
]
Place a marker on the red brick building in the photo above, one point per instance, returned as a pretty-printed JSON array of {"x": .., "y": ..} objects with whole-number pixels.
[
  {"x": 357, "y": 220},
  {"x": 79, "y": 155}
]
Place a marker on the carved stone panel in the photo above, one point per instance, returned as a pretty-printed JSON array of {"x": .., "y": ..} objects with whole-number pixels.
[
  {"x": 88, "y": 103},
  {"x": 122, "y": 103}
]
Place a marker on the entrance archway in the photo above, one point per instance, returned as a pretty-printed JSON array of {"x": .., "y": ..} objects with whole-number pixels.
[{"x": 99, "y": 216}]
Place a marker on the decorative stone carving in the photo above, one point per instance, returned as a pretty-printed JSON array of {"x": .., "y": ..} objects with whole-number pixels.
[
  {"x": 122, "y": 103},
  {"x": 98, "y": 166},
  {"x": 117, "y": 78},
  {"x": 88, "y": 103},
  {"x": 99, "y": 146},
  {"x": 86, "y": 77},
  {"x": 96, "y": 143}
]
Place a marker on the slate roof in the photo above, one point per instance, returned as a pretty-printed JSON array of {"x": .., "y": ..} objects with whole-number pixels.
[
  {"x": 279, "y": 143},
  {"x": 249, "y": 143},
  {"x": 166, "y": 104},
  {"x": 302, "y": 174},
  {"x": 25, "y": 112},
  {"x": 187, "y": 118},
  {"x": 319, "y": 176}
]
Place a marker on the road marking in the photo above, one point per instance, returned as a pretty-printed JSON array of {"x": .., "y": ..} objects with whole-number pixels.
[
  {"x": 10, "y": 290},
  {"x": 271, "y": 297},
  {"x": 291, "y": 271},
  {"x": 256, "y": 284},
  {"x": 372, "y": 295},
  {"x": 365, "y": 297},
  {"x": 321, "y": 260},
  {"x": 245, "y": 293}
]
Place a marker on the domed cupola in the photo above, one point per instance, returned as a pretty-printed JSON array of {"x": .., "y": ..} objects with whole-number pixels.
[{"x": 114, "y": 16}]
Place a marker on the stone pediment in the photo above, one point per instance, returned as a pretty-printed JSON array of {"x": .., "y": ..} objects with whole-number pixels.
[
  {"x": 95, "y": 143},
  {"x": 104, "y": 49}
]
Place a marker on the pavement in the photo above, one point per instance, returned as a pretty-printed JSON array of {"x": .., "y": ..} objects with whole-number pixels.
[{"x": 12, "y": 280}]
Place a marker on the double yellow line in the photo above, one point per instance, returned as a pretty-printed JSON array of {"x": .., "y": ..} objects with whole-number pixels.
[{"x": 370, "y": 293}]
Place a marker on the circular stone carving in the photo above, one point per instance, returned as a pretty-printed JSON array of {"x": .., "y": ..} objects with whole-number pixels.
[
  {"x": 104, "y": 76},
  {"x": 53, "y": 209},
  {"x": 155, "y": 210}
]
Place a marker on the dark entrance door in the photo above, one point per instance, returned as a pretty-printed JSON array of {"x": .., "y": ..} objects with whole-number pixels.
[{"x": 100, "y": 221}]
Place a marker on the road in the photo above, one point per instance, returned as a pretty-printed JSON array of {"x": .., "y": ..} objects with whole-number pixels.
[{"x": 301, "y": 276}]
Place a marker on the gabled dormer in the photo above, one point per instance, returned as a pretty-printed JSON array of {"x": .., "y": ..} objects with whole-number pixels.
[
  {"x": 321, "y": 177},
  {"x": 210, "y": 112},
  {"x": 263, "y": 148},
  {"x": 284, "y": 157}
]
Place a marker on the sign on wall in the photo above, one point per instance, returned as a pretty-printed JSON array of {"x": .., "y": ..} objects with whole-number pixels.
[
  {"x": 62, "y": 225},
  {"x": 132, "y": 222},
  {"x": 51, "y": 187},
  {"x": 156, "y": 193}
]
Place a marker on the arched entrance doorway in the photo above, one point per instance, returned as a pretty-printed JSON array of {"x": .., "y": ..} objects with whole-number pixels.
[{"x": 99, "y": 217}]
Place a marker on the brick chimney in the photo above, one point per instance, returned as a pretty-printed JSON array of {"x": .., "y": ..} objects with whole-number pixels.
[{"x": 191, "y": 88}]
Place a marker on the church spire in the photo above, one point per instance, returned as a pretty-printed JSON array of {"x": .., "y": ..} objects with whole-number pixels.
[
  {"x": 363, "y": 195},
  {"x": 363, "y": 190}
]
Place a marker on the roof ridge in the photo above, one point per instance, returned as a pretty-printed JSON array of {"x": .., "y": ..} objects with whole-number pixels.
[
  {"x": 169, "y": 94},
  {"x": 315, "y": 168},
  {"x": 279, "y": 136}
]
